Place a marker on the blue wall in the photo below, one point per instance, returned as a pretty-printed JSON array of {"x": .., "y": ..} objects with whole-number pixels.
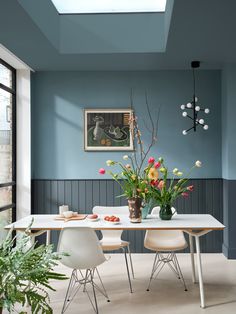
[
  {"x": 57, "y": 119},
  {"x": 229, "y": 158},
  {"x": 228, "y": 122}
]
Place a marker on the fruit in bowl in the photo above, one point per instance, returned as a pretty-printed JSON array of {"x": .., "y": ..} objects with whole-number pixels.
[
  {"x": 112, "y": 218},
  {"x": 93, "y": 217}
]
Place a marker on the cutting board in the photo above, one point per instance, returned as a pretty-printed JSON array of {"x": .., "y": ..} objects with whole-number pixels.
[{"x": 77, "y": 217}]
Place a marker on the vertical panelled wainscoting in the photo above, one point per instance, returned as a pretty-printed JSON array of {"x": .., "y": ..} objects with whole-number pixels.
[{"x": 82, "y": 195}]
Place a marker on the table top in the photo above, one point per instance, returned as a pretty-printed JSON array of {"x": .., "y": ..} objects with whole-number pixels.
[{"x": 153, "y": 222}]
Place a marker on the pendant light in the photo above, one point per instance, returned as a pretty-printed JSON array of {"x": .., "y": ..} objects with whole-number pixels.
[{"x": 192, "y": 109}]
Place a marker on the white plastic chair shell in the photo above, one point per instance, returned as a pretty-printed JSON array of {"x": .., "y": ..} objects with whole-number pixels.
[
  {"x": 164, "y": 240},
  {"x": 83, "y": 247},
  {"x": 112, "y": 237}
]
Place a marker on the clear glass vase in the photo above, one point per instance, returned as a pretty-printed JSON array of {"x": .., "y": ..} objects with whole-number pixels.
[{"x": 147, "y": 207}]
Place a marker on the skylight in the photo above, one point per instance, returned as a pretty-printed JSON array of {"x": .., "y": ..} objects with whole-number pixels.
[{"x": 108, "y": 6}]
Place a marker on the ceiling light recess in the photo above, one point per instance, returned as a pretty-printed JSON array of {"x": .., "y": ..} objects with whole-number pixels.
[{"x": 108, "y": 6}]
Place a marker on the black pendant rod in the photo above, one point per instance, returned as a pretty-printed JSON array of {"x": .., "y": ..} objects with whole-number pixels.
[
  {"x": 194, "y": 104},
  {"x": 194, "y": 64}
]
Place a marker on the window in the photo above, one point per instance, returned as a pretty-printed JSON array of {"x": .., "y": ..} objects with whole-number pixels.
[
  {"x": 7, "y": 145},
  {"x": 109, "y": 6}
]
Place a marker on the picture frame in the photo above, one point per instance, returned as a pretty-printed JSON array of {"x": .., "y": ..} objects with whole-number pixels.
[{"x": 107, "y": 130}]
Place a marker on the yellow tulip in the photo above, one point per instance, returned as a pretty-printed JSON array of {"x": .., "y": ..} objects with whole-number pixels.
[
  {"x": 153, "y": 174},
  {"x": 133, "y": 177}
]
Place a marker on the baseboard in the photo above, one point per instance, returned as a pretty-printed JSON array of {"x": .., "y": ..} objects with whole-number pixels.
[{"x": 230, "y": 253}]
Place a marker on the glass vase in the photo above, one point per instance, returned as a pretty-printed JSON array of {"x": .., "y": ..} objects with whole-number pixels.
[{"x": 147, "y": 207}]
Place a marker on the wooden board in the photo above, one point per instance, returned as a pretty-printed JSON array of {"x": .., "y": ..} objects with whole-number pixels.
[{"x": 77, "y": 217}]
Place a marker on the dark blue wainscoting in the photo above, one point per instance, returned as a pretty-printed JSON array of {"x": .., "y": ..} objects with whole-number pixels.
[{"x": 82, "y": 195}]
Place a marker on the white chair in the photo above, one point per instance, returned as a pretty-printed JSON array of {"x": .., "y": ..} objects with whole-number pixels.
[
  {"x": 111, "y": 239},
  {"x": 165, "y": 243},
  {"x": 84, "y": 253}
]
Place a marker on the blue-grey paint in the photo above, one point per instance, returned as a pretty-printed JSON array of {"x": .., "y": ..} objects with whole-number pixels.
[
  {"x": 228, "y": 122},
  {"x": 229, "y": 158},
  {"x": 44, "y": 15},
  {"x": 100, "y": 33},
  {"x": 187, "y": 39},
  {"x": 57, "y": 119},
  {"x": 112, "y": 33},
  {"x": 229, "y": 215}
]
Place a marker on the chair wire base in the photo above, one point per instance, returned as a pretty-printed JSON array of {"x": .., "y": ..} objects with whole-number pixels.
[
  {"x": 169, "y": 259},
  {"x": 75, "y": 284}
]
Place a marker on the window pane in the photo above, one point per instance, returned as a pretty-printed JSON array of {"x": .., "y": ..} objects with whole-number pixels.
[
  {"x": 5, "y": 196},
  {"x": 5, "y": 136},
  {"x": 5, "y": 76},
  {"x": 5, "y": 219}
]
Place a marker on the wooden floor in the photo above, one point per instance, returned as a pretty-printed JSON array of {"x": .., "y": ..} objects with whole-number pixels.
[{"x": 166, "y": 295}]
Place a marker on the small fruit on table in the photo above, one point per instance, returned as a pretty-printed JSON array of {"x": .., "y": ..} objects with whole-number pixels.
[
  {"x": 112, "y": 218},
  {"x": 93, "y": 216}
]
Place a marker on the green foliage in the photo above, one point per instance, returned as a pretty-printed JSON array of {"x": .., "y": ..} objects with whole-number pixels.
[{"x": 25, "y": 272}]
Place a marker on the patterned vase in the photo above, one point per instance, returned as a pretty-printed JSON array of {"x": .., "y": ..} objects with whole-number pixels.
[{"x": 135, "y": 214}]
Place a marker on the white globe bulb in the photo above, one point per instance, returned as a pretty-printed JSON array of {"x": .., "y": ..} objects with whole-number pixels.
[
  {"x": 184, "y": 132},
  {"x": 206, "y": 127},
  {"x": 189, "y": 105},
  {"x": 201, "y": 121},
  {"x": 196, "y": 99},
  {"x": 197, "y": 108},
  {"x": 182, "y": 107},
  {"x": 184, "y": 114},
  {"x": 207, "y": 110}
]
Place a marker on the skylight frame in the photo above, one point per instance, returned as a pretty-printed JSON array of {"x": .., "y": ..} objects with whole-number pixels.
[{"x": 109, "y": 6}]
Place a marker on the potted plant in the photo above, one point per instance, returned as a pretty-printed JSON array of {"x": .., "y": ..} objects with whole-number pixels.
[
  {"x": 25, "y": 272},
  {"x": 165, "y": 193}
]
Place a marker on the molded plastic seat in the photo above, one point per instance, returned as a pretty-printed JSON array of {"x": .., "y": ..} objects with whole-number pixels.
[
  {"x": 83, "y": 247},
  {"x": 165, "y": 243},
  {"x": 111, "y": 239},
  {"x": 84, "y": 253},
  {"x": 164, "y": 240}
]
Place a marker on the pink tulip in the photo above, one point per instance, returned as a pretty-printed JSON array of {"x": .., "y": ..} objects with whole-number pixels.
[
  {"x": 190, "y": 188},
  {"x": 161, "y": 185},
  {"x": 184, "y": 194},
  {"x": 102, "y": 171},
  {"x": 151, "y": 160},
  {"x": 157, "y": 164}
]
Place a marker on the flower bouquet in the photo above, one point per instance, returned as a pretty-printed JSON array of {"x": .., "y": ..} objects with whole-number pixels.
[
  {"x": 151, "y": 186},
  {"x": 164, "y": 192}
]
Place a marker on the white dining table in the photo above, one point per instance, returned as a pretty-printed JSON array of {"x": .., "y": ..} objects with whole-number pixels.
[{"x": 194, "y": 225}]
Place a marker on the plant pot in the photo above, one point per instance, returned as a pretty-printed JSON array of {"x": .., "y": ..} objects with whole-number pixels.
[
  {"x": 165, "y": 212},
  {"x": 147, "y": 208},
  {"x": 135, "y": 214}
]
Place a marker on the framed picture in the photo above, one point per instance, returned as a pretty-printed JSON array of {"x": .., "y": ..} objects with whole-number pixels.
[{"x": 107, "y": 129}]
